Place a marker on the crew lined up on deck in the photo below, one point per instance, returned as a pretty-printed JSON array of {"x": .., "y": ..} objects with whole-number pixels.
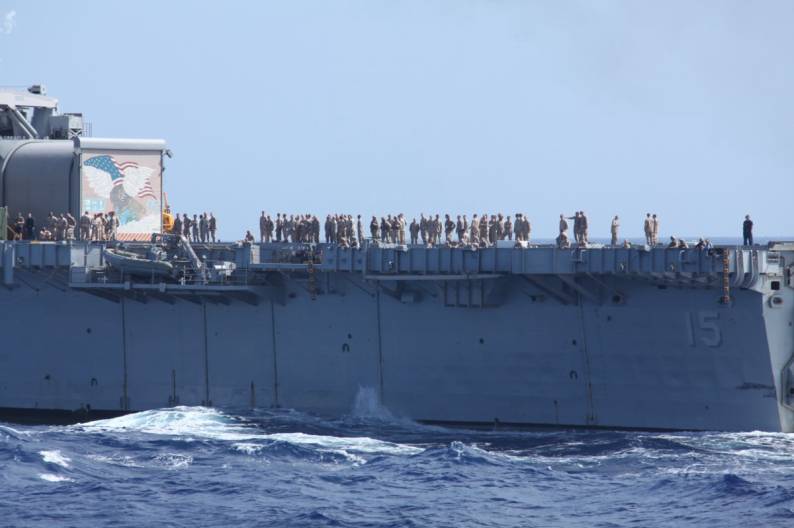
[
  {"x": 431, "y": 230},
  {"x": 342, "y": 229},
  {"x": 201, "y": 228}
]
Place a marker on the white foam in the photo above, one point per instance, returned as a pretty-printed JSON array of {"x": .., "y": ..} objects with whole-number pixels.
[
  {"x": 178, "y": 421},
  {"x": 11, "y": 432},
  {"x": 173, "y": 460},
  {"x": 49, "y": 477},
  {"x": 203, "y": 422},
  {"x": 55, "y": 457},
  {"x": 125, "y": 461},
  {"x": 361, "y": 444}
]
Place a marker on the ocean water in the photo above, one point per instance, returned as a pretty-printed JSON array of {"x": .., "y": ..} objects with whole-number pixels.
[{"x": 197, "y": 466}]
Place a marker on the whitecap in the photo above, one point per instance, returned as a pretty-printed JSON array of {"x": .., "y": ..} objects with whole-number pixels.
[
  {"x": 125, "y": 461},
  {"x": 188, "y": 422},
  {"x": 204, "y": 422},
  {"x": 173, "y": 460},
  {"x": 361, "y": 444},
  {"x": 49, "y": 477},
  {"x": 55, "y": 457}
]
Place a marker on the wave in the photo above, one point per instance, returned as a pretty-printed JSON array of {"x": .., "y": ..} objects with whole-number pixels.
[
  {"x": 55, "y": 457},
  {"x": 245, "y": 436}
]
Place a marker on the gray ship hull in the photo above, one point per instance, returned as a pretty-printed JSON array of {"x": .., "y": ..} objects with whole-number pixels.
[{"x": 633, "y": 352}]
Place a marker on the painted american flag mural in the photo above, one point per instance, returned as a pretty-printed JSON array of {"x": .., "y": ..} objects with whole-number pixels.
[{"x": 128, "y": 183}]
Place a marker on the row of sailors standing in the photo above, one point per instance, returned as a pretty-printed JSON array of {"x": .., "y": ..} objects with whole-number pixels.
[
  {"x": 200, "y": 229},
  {"x": 483, "y": 231},
  {"x": 59, "y": 227},
  {"x": 100, "y": 226},
  {"x": 295, "y": 228},
  {"x": 342, "y": 229}
]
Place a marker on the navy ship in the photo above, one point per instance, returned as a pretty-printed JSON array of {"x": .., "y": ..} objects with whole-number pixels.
[{"x": 600, "y": 336}]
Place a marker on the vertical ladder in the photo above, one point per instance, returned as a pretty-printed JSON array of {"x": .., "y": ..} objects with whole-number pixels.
[{"x": 726, "y": 283}]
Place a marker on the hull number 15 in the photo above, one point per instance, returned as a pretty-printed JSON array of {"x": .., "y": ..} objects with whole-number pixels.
[{"x": 703, "y": 327}]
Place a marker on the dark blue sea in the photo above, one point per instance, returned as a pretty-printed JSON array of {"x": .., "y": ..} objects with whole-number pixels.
[{"x": 196, "y": 466}]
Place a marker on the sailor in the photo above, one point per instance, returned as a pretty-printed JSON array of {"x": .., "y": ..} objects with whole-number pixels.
[
  {"x": 484, "y": 229},
  {"x": 527, "y": 227},
  {"x": 654, "y": 230},
  {"x": 279, "y": 227},
  {"x": 249, "y": 238},
  {"x": 673, "y": 243},
  {"x": 71, "y": 224},
  {"x": 176, "y": 227},
  {"x": 474, "y": 231},
  {"x": 701, "y": 243},
  {"x": 271, "y": 226},
  {"x": 508, "y": 229},
  {"x": 19, "y": 227},
  {"x": 168, "y": 220},
  {"x": 54, "y": 227},
  {"x": 203, "y": 228},
  {"x": 62, "y": 227},
  {"x": 562, "y": 240},
  {"x": 747, "y": 231},
  {"x": 465, "y": 234},
  {"x": 584, "y": 228},
  {"x": 449, "y": 228},
  {"x": 518, "y": 227},
  {"x": 682, "y": 244},
  {"x": 359, "y": 230},
  {"x": 384, "y": 230},
  {"x": 493, "y": 229},
  {"x": 613, "y": 229},
  {"x": 212, "y": 225},
  {"x": 186, "y": 226},
  {"x": 51, "y": 223},
  {"x": 289, "y": 227},
  {"x": 85, "y": 226},
  {"x": 194, "y": 228},
  {"x": 336, "y": 228},
  {"x": 401, "y": 227},
  {"x": 413, "y": 229},
  {"x": 111, "y": 225},
  {"x": 97, "y": 227},
  {"x": 648, "y": 229},
  {"x": 349, "y": 234},
  {"x": 563, "y": 225},
  {"x": 262, "y": 226},
  {"x": 395, "y": 229},
  {"x": 374, "y": 228}
]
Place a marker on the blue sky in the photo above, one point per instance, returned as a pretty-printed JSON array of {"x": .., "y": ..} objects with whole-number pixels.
[{"x": 614, "y": 107}]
